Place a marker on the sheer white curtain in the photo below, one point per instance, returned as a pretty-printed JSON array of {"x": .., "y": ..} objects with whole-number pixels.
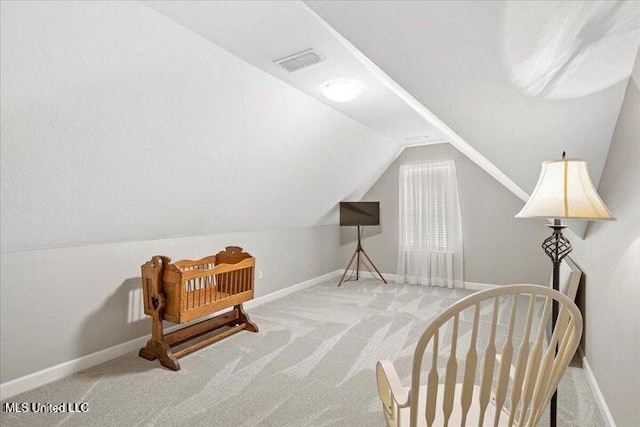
[{"x": 430, "y": 250}]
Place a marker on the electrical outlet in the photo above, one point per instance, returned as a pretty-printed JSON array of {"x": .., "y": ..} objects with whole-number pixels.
[
  {"x": 309, "y": 262},
  {"x": 259, "y": 274}
]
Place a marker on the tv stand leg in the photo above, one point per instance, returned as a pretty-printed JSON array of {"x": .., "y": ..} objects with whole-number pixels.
[
  {"x": 374, "y": 266},
  {"x": 347, "y": 269}
]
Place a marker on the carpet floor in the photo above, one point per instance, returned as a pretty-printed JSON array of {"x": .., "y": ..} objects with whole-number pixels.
[{"x": 311, "y": 364}]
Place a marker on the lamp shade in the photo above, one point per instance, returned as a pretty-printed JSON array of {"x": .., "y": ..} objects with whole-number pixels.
[{"x": 565, "y": 190}]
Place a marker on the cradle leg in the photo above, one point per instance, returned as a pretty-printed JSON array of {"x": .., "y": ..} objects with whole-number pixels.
[
  {"x": 157, "y": 347},
  {"x": 161, "y": 351},
  {"x": 243, "y": 317}
]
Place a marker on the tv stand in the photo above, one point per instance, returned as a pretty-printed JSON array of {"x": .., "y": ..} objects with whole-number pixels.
[{"x": 356, "y": 256}]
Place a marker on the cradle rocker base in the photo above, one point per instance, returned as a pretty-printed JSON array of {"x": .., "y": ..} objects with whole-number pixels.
[{"x": 235, "y": 320}]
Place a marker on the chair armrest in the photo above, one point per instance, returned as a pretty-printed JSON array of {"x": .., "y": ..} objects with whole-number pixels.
[{"x": 390, "y": 388}]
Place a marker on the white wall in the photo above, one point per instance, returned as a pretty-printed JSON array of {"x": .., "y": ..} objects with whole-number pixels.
[
  {"x": 498, "y": 248},
  {"x": 609, "y": 256},
  {"x": 60, "y": 304},
  {"x": 119, "y": 124},
  {"x": 123, "y": 134}
]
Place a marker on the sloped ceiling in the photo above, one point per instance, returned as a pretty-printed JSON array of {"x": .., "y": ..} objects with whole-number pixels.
[
  {"x": 261, "y": 32},
  {"x": 519, "y": 81},
  {"x": 120, "y": 124},
  {"x": 510, "y": 84}
]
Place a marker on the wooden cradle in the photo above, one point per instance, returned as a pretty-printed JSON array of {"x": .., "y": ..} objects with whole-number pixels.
[{"x": 187, "y": 290}]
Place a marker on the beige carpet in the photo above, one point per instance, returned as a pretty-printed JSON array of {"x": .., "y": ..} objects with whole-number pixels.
[{"x": 311, "y": 364}]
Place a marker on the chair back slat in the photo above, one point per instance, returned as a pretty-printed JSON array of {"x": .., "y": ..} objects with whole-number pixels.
[
  {"x": 566, "y": 353},
  {"x": 489, "y": 363},
  {"x": 432, "y": 384},
  {"x": 545, "y": 376},
  {"x": 523, "y": 357},
  {"x": 505, "y": 361},
  {"x": 451, "y": 373},
  {"x": 534, "y": 363},
  {"x": 470, "y": 367}
]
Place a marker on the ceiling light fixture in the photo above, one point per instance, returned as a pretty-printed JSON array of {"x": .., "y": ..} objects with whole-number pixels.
[{"x": 342, "y": 90}]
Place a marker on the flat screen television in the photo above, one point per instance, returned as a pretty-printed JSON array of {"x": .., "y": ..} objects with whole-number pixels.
[{"x": 359, "y": 213}]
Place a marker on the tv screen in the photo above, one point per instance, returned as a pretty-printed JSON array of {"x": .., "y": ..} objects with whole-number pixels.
[{"x": 359, "y": 213}]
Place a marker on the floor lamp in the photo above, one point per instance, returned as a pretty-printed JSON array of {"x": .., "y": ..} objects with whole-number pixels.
[{"x": 564, "y": 191}]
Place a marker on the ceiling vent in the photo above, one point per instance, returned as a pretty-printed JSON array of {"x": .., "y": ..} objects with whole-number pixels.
[{"x": 300, "y": 60}]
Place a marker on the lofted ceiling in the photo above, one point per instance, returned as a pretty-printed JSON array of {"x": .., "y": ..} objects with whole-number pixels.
[
  {"x": 141, "y": 129},
  {"x": 519, "y": 81},
  {"x": 262, "y": 32},
  {"x": 510, "y": 84},
  {"x": 165, "y": 110}
]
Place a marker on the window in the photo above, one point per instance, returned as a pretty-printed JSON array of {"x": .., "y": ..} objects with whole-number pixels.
[
  {"x": 424, "y": 196},
  {"x": 430, "y": 234}
]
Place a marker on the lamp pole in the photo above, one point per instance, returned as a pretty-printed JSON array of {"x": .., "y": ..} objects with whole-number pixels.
[{"x": 556, "y": 247}]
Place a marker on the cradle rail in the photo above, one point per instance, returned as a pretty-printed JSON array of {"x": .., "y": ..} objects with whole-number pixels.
[
  {"x": 187, "y": 290},
  {"x": 195, "y": 292}
]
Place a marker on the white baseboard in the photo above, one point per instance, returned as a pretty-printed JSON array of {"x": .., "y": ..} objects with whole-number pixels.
[
  {"x": 370, "y": 275},
  {"x": 474, "y": 286},
  {"x": 392, "y": 278},
  {"x": 595, "y": 388},
  {"x": 28, "y": 382},
  {"x": 291, "y": 289},
  {"x": 54, "y": 373}
]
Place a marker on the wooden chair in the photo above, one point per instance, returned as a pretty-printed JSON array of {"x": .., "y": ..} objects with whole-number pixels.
[
  {"x": 570, "y": 276},
  {"x": 512, "y": 391}
]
